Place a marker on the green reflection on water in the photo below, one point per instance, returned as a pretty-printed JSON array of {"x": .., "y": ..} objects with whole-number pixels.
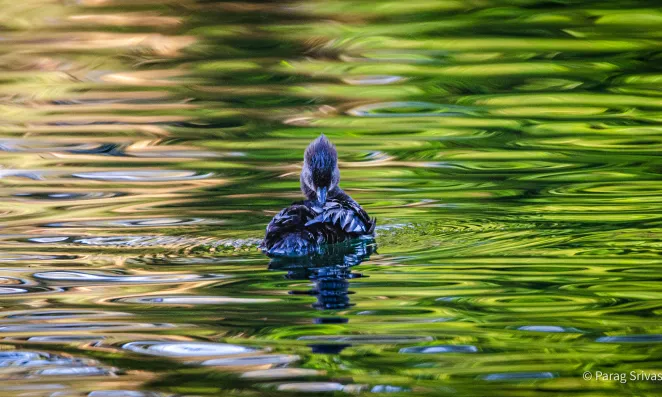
[{"x": 508, "y": 149}]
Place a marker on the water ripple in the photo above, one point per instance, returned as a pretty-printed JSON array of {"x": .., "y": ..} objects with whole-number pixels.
[
  {"x": 12, "y": 257},
  {"x": 385, "y": 339},
  {"x": 191, "y": 300},
  {"x": 57, "y": 314},
  {"x": 67, "y": 196},
  {"x": 631, "y": 339},
  {"x": 17, "y": 286},
  {"x": 408, "y": 109},
  {"x": 134, "y": 223},
  {"x": 142, "y": 176},
  {"x": 518, "y": 376},
  {"x": 311, "y": 387},
  {"x": 58, "y": 339},
  {"x": 509, "y": 150},
  {"x": 264, "y": 360},
  {"x": 103, "y": 278},
  {"x": 549, "y": 329},
  {"x": 37, "y": 364},
  {"x": 123, "y": 393},
  {"x": 186, "y": 349},
  {"x": 79, "y": 326},
  {"x": 440, "y": 349}
]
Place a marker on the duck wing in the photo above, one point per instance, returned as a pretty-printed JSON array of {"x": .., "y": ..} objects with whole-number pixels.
[
  {"x": 346, "y": 215},
  {"x": 288, "y": 222}
]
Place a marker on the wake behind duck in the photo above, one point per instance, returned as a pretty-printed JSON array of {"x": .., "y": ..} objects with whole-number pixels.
[{"x": 327, "y": 216}]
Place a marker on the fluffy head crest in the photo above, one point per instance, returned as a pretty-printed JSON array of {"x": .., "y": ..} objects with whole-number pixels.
[
  {"x": 320, "y": 169},
  {"x": 321, "y": 155}
]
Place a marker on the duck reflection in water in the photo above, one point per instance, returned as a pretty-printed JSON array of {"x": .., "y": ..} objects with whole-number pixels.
[{"x": 329, "y": 269}]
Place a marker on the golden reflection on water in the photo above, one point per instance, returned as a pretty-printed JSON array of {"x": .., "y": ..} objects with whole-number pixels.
[{"x": 509, "y": 152}]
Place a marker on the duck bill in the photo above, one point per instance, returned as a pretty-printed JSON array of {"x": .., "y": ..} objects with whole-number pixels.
[{"x": 321, "y": 195}]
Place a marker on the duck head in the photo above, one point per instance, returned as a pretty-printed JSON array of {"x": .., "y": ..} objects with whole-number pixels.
[{"x": 320, "y": 174}]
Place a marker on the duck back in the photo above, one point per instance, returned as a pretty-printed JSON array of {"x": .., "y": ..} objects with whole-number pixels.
[{"x": 305, "y": 226}]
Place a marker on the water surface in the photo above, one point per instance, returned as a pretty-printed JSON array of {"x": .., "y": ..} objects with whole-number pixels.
[{"x": 510, "y": 151}]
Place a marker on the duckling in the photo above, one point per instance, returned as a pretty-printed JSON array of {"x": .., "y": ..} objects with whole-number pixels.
[{"x": 327, "y": 216}]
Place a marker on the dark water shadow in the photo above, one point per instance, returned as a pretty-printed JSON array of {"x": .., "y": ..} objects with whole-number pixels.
[{"x": 329, "y": 270}]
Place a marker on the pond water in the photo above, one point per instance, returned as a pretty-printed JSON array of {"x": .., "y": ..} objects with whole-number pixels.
[{"x": 509, "y": 150}]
